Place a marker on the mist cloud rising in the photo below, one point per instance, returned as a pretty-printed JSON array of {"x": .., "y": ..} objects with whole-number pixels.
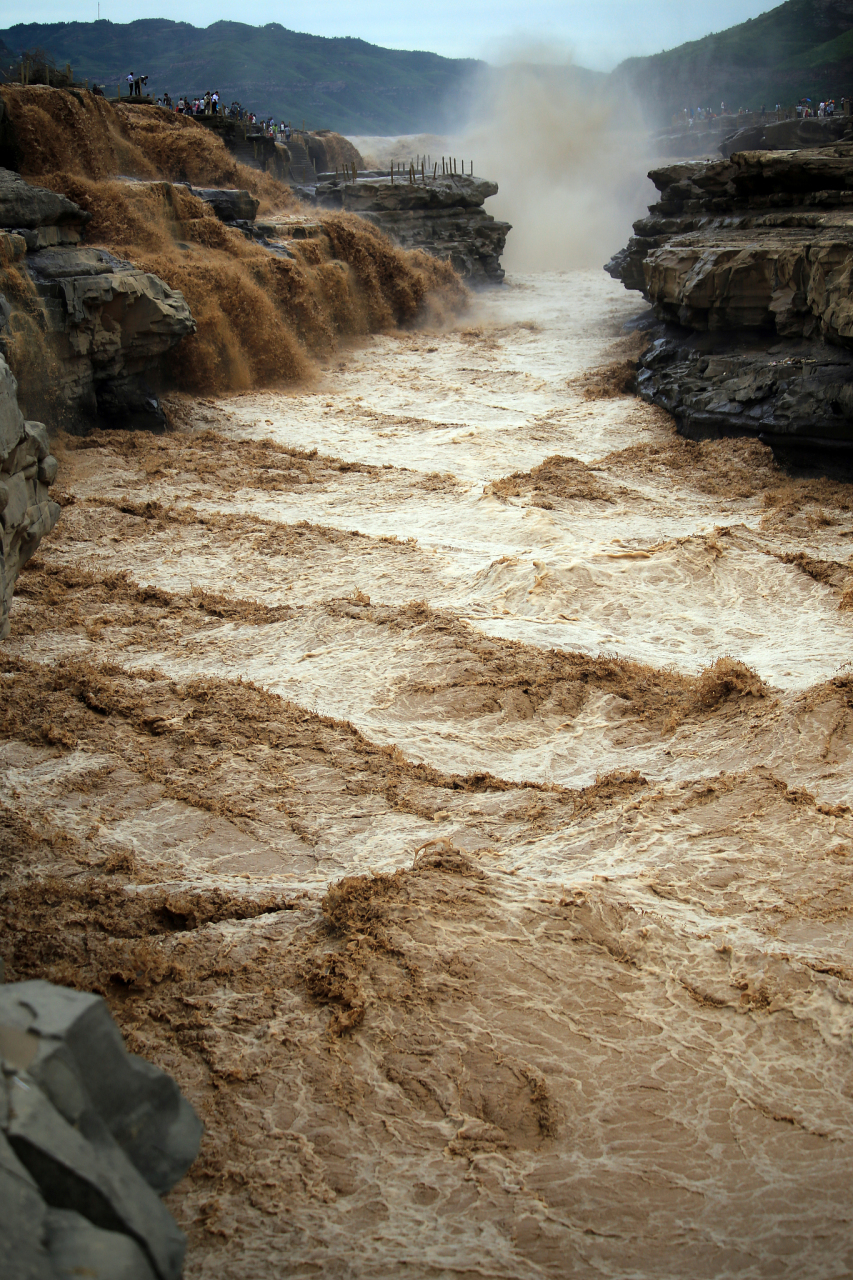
[{"x": 571, "y": 165}]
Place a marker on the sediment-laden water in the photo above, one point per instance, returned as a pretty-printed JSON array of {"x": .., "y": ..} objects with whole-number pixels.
[{"x": 569, "y": 696}]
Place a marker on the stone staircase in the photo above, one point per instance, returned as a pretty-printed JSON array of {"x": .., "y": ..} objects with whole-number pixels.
[{"x": 301, "y": 167}]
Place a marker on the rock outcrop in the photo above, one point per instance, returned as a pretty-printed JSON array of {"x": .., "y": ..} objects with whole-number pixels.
[
  {"x": 788, "y": 135},
  {"x": 748, "y": 265},
  {"x": 443, "y": 216},
  {"x": 90, "y": 1138},
  {"x": 27, "y": 469},
  {"x": 229, "y": 204},
  {"x": 105, "y": 323}
]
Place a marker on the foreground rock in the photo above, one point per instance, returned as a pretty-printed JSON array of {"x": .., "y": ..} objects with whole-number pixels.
[
  {"x": 444, "y": 217},
  {"x": 747, "y": 264},
  {"x": 90, "y": 1137},
  {"x": 102, "y": 322},
  {"x": 27, "y": 469}
]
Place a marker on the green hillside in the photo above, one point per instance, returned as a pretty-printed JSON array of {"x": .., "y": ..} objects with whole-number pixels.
[
  {"x": 801, "y": 48},
  {"x": 343, "y": 84}
]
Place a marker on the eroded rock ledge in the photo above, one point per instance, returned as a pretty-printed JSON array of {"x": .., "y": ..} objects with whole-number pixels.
[
  {"x": 104, "y": 322},
  {"x": 444, "y": 217},
  {"x": 747, "y": 264},
  {"x": 86, "y": 330}
]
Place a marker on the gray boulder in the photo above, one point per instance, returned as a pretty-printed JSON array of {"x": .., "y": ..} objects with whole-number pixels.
[
  {"x": 110, "y": 324},
  {"x": 79, "y": 1060},
  {"x": 23, "y": 1218},
  {"x": 89, "y": 1135},
  {"x": 77, "y": 1249}
]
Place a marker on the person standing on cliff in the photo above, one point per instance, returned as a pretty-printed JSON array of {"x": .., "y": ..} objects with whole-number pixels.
[{"x": 130, "y": 85}]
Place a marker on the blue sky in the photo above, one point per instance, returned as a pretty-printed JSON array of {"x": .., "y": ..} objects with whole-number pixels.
[{"x": 595, "y": 33}]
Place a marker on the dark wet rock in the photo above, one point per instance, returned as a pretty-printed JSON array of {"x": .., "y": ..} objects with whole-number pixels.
[
  {"x": 31, "y": 209},
  {"x": 443, "y": 216},
  {"x": 748, "y": 264},
  {"x": 788, "y": 135},
  {"x": 89, "y": 1138},
  {"x": 228, "y": 204},
  {"x": 715, "y": 386}
]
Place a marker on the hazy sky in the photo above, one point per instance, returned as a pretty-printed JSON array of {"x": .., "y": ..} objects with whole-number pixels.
[{"x": 598, "y": 33}]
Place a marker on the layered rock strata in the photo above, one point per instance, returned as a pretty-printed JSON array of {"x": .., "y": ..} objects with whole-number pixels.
[
  {"x": 444, "y": 217},
  {"x": 27, "y": 469},
  {"x": 90, "y": 1138},
  {"x": 747, "y": 264},
  {"x": 105, "y": 322}
]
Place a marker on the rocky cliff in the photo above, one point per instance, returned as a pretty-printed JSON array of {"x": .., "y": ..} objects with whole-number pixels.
[
  {"x": 747, "y": 264},
  {"x": 85, "y": 330},
  {"x": 97, "y": 322},
  {"x": 443, "y": 216}
]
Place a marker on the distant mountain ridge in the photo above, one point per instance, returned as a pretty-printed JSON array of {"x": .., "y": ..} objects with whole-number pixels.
[
  {"x": 803, "y": 48},
  {"x": 342, "y": 83},
  {"x": 800, "y": 48}
]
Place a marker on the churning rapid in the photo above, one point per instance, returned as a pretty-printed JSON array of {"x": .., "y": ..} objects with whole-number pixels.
[{"x": 466, "y": 760}]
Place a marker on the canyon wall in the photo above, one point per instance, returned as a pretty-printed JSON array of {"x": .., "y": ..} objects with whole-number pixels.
[{"x": 747, "y": 264}]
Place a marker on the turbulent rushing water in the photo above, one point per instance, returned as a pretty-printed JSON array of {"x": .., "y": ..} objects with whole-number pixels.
[{"x": 603, "y": 1027}]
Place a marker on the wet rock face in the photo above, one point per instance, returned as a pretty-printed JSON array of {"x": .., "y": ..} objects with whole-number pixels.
[
  {"x": 756, "y": 253},
  {"x": 107, "y": 322},
  {"x": 56, "y": 219},
  {"x": 110, "y": 323},
  {"x": 90, "y": 1137},
  {"x": 794, "y": 396},
  {"x": 444, "y": 217},
  {"x": 27, "y": 469},
  {"x": 229, "y": 204}
]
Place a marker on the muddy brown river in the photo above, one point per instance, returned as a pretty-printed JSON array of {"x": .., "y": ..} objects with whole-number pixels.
[{"x": 445, "y": 772}]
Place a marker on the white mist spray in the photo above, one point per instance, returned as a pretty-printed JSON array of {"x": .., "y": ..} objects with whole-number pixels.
[{"x": 570, "y": 162}]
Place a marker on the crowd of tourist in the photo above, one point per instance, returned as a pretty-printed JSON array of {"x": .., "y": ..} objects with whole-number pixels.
[
  {"x": 209, "y": 104},
  {"x": 804, "y": 110}
]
